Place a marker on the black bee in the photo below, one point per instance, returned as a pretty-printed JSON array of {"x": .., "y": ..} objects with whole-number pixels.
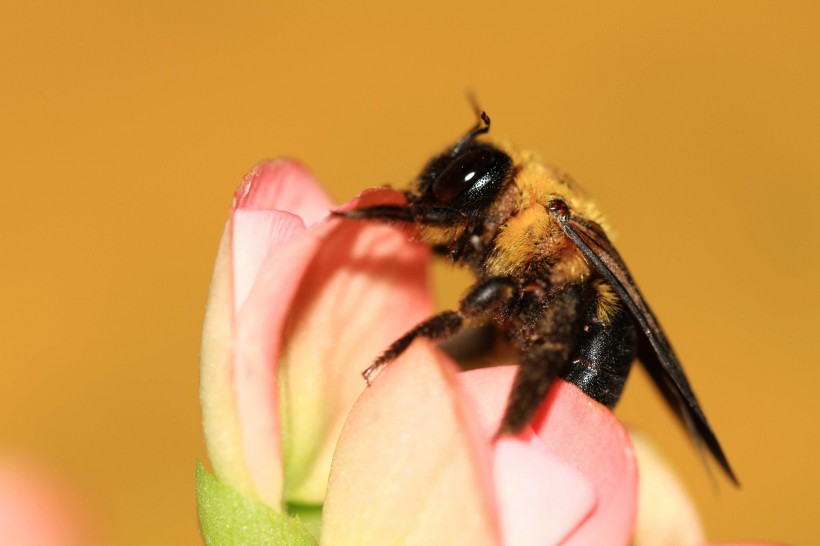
[{"x": 548, "y": 280}]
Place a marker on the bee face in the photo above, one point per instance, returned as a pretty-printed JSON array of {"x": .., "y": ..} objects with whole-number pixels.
[
  {"x": 468, "y": 180},
  {"x": 549, "y": 281}
]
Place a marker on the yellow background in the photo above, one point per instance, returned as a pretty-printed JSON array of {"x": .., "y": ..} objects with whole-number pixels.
[{"x": 125, "y": 126}]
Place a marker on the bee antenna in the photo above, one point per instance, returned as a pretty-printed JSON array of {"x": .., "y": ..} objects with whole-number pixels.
[
  {"x": 473, "y": 100},
  {"x": 482, "y": 125}
]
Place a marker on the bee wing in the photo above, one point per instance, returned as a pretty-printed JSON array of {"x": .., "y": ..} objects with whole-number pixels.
[{"x": 654, "y": 350}]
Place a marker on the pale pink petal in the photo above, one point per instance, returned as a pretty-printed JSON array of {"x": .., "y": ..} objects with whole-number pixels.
[
  {"x": 254, "y": 232},
  {"x": 587, "y": 436},
  {"x": 411, "y": 467},
  {"x": 256, "y": 235},
  {"x": 220, "y": 420},
  {"x": 541, "y": 499},
  {"x": 258, "y": 238},
  {"x": 258, "y": 344}
]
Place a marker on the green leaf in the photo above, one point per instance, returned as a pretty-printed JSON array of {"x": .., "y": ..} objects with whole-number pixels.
[{"x": 228, "y": 517}]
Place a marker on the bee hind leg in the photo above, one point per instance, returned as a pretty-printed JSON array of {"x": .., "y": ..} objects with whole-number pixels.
[
  {"x": 535, "y": 376},
  {"x": 547, "y": 336}
]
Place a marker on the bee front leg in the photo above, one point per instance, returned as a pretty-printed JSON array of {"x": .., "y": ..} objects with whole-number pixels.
[{"x": 424, "y": 215}]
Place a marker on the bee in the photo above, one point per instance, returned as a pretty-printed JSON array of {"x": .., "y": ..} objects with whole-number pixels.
[{"x": 548, "y": 280}]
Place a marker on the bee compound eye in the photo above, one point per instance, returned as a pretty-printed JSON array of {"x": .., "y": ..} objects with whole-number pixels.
[{"x": 469, "y": 170}]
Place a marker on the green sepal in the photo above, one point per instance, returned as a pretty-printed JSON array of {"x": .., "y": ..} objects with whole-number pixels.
[{"x": 228, "y": 517}]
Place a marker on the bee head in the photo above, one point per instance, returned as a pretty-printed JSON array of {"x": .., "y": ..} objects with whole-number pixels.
[{"x": 466, "y": 177}]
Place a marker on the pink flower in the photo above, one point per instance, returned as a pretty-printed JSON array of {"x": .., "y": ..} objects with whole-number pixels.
[
  {"x": 300, "y": 304},
  {"x": 37, "y": 508}
]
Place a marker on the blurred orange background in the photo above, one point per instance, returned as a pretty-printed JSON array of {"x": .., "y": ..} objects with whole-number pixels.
[{"x": 124, "y": 128}]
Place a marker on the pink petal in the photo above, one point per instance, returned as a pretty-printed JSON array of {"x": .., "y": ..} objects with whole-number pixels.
[
  {"x": 541, "y": 499},
  {"x": 319, "y": 302},
  {"x": 411, "y": 466},
  {"x": 587, "y": 436},
  {"x": 364, "y": 288},
  {"x": 283, "y": 184},
  {"x": 274, "y": 202},
  {"x": 37, "y": 508},
  {"x": 320, "y": 310}
]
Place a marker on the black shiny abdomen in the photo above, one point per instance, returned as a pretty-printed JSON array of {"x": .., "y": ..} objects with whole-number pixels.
[{"x": 603, "y": 358}]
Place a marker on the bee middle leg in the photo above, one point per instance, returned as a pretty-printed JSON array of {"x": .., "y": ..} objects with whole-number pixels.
[
  {"x": 484, "y": 302},
  {"x": 439, "y": 326}
]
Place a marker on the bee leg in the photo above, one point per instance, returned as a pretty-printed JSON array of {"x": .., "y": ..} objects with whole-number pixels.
[
  {"x": 383, "y": 213},
  {"x": 438, "y": 326},
  {"x": 546, "y": 340},
  {"x": 603, "y": 358},
  {"x": 487, "y": 297},
  {"x": 426, "y": 215},
  {"x": 536, "y": 373},
  {"x": 490, "y": 299}
]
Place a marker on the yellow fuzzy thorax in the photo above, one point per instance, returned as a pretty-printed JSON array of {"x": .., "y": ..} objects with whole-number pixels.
[
  {"x": 532, "y": 236},
  {"x": 539, "y": 183}
]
